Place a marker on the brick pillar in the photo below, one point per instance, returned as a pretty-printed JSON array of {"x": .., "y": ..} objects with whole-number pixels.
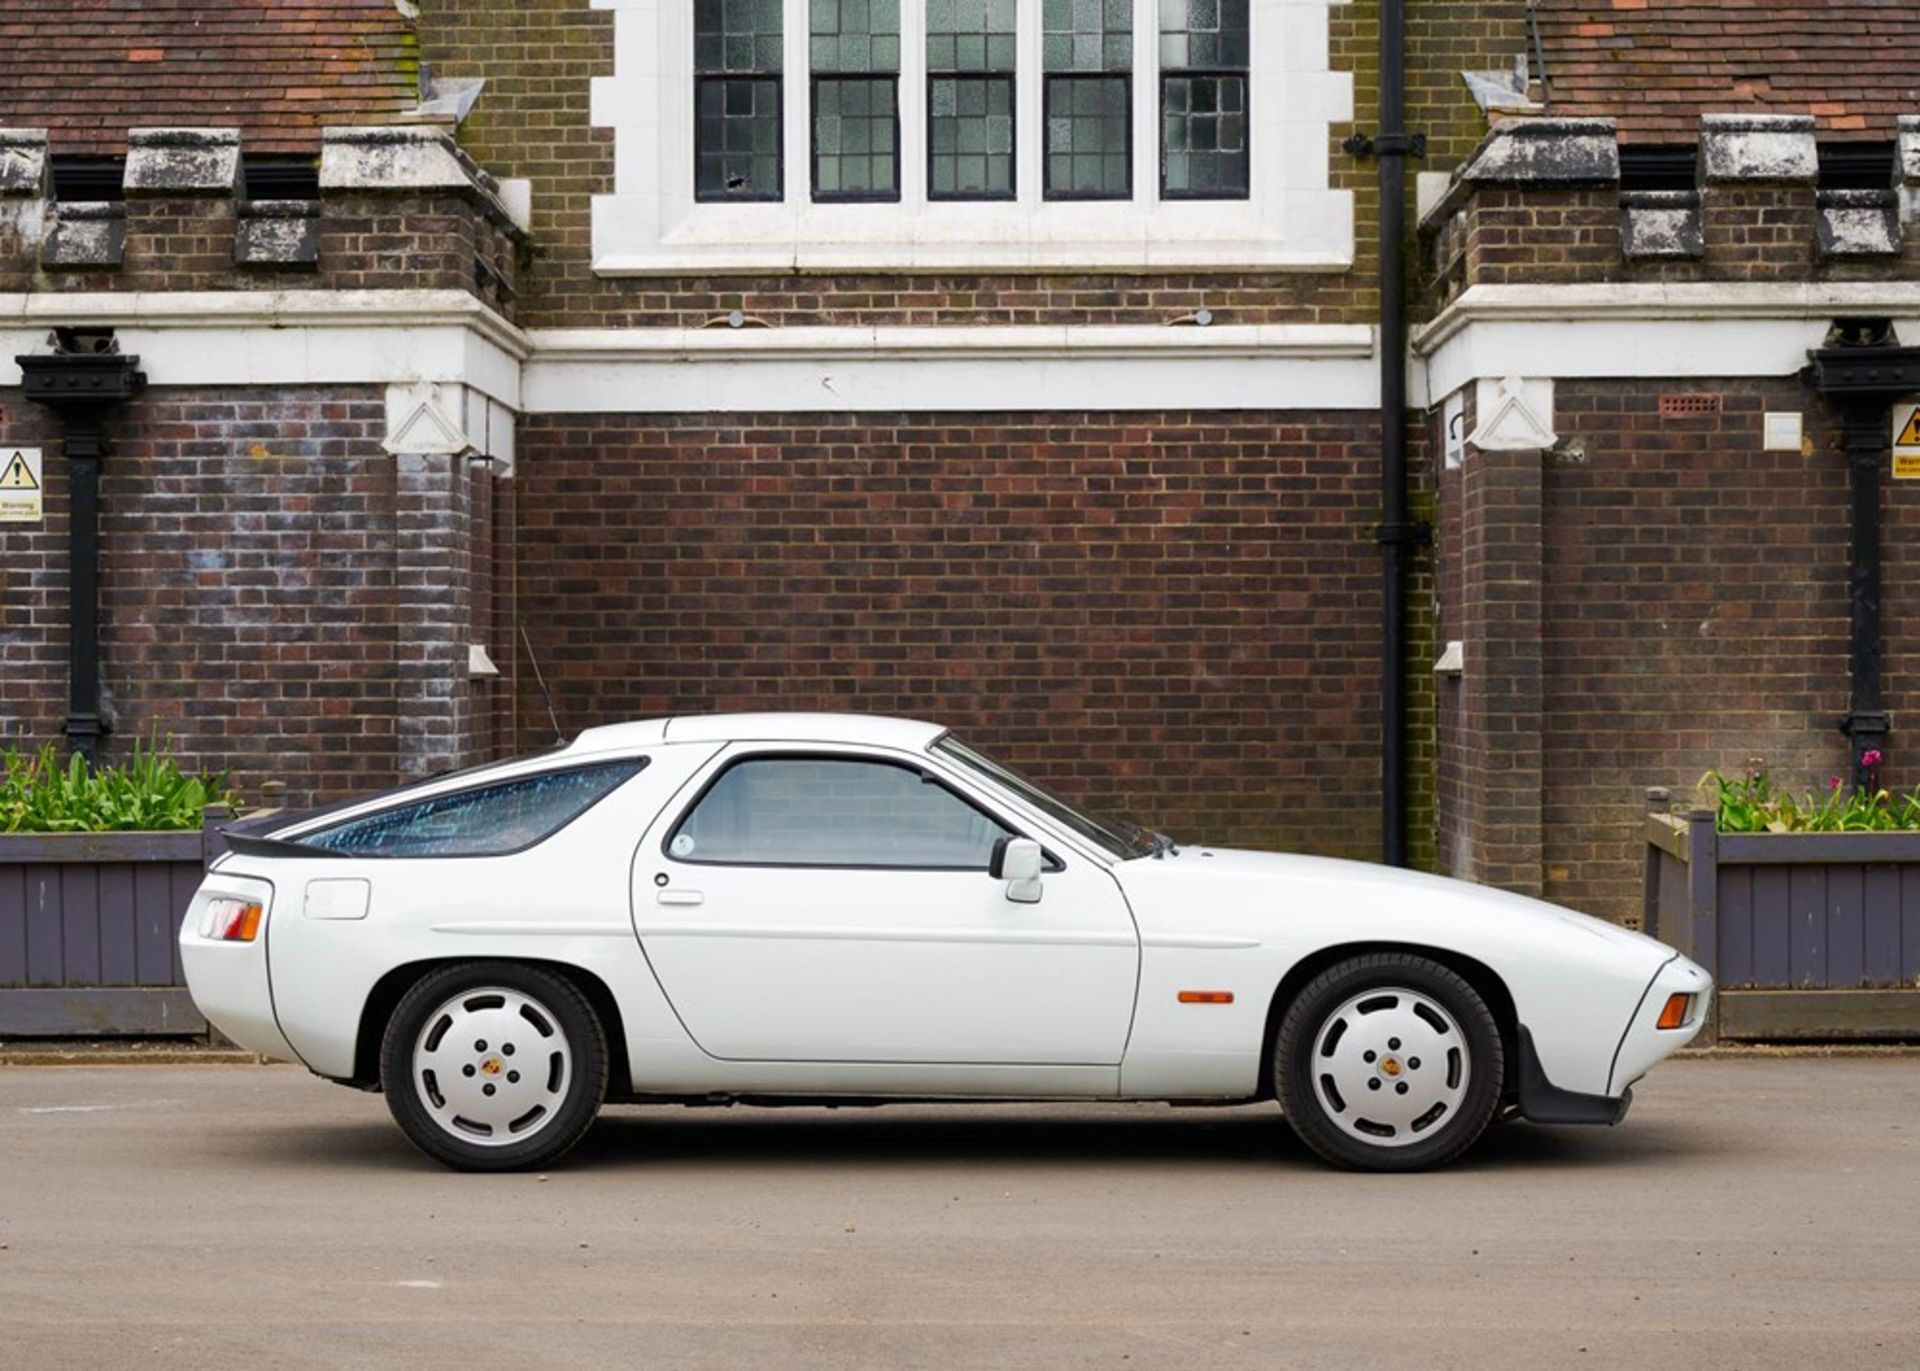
[
  {"x": 1498, "y": 832},
  {"x": 1906, "y": 181},
  {"x": 181, "y": 186},
  {"x": 1759, "y": 210},
  {"x": 23, "y": 205},
  {"x": 432, "y": 577}
]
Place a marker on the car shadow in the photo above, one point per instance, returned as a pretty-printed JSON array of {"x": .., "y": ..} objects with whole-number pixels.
[{"x": 661, "y": 1139}]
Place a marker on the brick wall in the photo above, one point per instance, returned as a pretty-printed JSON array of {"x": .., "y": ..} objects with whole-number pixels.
[
  {"x": 366, "y": 241},
  {"x": 279, "y": 596},
  {"x": 1170, "y": 615},
  {"x": 1693, "y": 613},
  {"x": 538, "y": 57}
]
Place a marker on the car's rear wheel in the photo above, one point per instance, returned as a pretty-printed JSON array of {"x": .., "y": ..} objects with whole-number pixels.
[
  {"x": 494, "y": 1066},
  {"x": 1388, "y": 1062}
]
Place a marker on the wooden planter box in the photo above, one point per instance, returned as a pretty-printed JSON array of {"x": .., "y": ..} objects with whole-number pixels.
[
  {"x": 88, "y": 928},
  {"x": 1810, "y": 936}
]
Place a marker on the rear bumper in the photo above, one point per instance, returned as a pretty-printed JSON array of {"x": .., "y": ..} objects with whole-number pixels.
[
  {"x": 229, "y": 982},
  {"x": 1541, "y": 1101}
]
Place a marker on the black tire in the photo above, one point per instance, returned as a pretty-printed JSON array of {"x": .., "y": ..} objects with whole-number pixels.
[
  {"x": 516, "y": 1016},
  {"x": 1311, "y": 1055}
]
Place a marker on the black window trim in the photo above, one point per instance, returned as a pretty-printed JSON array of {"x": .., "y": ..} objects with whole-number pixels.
[
  {"x": 1047, "y": 192},
  {"x": 1013, "y": 153},
  {"x": 839, "y": 197},
  {"x": 1246, "y": 145},
  {"x": 779, "y": 191},
  {"x": 1051, "y": 862},
  {"x": 288, "y": 847}
]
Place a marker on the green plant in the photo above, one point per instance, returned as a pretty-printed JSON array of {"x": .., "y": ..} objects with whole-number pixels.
[
  {"x": 150, "y": 791},
  {"x": 1754, "y": 804}
]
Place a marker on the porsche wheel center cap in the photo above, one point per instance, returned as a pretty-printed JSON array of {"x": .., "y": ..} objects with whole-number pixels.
[
  {"x": 492, "y": 1066},
  {"x": 1389, "y": 1066}
]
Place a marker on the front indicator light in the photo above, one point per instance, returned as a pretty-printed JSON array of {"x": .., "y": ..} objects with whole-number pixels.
[
  {"x": 1674, "y": 1015},
  {"x": 231, "y": 921}
]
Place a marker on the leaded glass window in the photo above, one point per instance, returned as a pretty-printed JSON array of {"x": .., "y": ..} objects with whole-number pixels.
[
  {"x": 854, "y": 49},
  {"x": 1203, "y": 99},
  {"x": 736, "y": 62},
  {"x": 970, "y": 98},
  {"x": 1087, "y": 54}
]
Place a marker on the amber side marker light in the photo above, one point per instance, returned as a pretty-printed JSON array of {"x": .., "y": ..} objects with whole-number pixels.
[
  {"x": 230, "y": 921},
  {"x": 1206, "y": 997},
  {"x": 1674, "y": 1015}
]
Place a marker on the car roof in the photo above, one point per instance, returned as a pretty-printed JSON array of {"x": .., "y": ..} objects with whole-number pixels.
[{"x": 878, "y": 730}]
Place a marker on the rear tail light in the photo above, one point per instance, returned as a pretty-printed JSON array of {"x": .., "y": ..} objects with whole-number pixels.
[
  {"x": 1674, "y": 1015},
  {"x": 228, "y": 920}
]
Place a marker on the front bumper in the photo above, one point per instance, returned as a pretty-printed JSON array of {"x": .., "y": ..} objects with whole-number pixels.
[
  {"x": 1643, "y": 1044},
  {"x": 1541, "y": 1101}
]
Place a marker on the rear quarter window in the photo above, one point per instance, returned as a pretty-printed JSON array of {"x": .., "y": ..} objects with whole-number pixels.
[{"x": 486, "y": 821}]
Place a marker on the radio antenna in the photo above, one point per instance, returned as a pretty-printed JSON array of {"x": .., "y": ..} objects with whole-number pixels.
[{"x": 545, "y": 694}]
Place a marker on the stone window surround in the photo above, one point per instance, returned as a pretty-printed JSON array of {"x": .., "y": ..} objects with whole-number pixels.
[{"x": 651, "y": 224}]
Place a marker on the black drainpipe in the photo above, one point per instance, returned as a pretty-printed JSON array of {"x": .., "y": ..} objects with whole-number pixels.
[
  {"x": 1864, "y": 370},
  {"x": 1396, "y": 535},
  {"x": 83, "y": 381}
]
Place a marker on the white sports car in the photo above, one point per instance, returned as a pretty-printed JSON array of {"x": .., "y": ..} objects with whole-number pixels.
[{"x": 779, "y": 908}]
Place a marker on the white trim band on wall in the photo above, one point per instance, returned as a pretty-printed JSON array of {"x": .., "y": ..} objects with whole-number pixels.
[
  {"x": 1654, "y": 330},
  {"x": 267, "y": 338},
  {"x": 816, "y": 370}
]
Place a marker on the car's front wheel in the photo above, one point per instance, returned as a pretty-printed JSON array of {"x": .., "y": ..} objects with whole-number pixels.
[
  {"x": 1388, "y": 1062},
  {"x": 494, "y": 1066}
]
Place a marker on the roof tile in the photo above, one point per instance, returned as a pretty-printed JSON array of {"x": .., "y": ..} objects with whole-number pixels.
[
  {"x": 88, "y": 70},
  {"x": 1657, "y": 65}
]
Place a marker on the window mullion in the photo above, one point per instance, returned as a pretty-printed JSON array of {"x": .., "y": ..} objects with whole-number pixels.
[
  {"x": 1029, "y": 127},
  {"x": 1146, "y": 101},
  {"x": 913, "y": 102},
  {"x": 796, "y": 134}
]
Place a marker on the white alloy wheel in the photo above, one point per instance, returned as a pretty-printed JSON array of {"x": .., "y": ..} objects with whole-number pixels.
[
  {"x": 1390, "y": 1064},
  {"x": 492, "y": 1066},
  {"x": 1388, "y": 1061}
]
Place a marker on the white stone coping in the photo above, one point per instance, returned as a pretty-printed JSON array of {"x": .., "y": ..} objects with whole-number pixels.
[{"x": 1650, "y": 329}]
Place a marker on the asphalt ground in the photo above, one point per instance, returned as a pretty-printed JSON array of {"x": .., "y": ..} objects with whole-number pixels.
[{"x": 1751, "y": 1212}]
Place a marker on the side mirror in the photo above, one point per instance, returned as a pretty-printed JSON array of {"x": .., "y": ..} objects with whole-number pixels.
[{"x": 1018, "y": 861}]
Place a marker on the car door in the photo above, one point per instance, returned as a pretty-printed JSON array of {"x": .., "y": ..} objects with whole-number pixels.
[{"x": 834, "y": 905}]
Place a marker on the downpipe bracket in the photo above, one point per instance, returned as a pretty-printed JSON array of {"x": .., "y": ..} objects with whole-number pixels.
[
  {"x": 1359, "y": 144},
  {"x": 1419, "y": 533}
]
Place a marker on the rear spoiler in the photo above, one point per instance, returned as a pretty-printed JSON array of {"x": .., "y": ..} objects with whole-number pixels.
[{"x": 250, "y": 845}]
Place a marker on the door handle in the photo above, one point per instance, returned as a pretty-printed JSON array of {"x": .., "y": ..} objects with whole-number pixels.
[{"x": 680, "y": 897}]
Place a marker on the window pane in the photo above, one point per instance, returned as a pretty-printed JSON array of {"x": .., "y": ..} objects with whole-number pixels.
[
  {"x": 1203, "y": 99},
  {"x": 736, "y": 139},
  {"x": 855, "y": 137},
  {"x": 970, "y": 138},
  {"x": 970, "y": 36},
  {"x": 854, "y": 35},
  {"x": 821, "y": 812},
  {"x": 1087, "y": 35},
  {"x": 489, "y": 821},
  {"x": 1089, "y": 140},
  {"x": 732, "y": 36}
]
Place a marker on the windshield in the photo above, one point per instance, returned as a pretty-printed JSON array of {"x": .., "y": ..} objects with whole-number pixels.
[{"x": 1115, "y": 838}]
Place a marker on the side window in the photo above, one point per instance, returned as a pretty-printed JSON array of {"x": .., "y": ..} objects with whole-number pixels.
[
  {"x": 485, "y": 822},
  {"x": 818, "y": 811}
]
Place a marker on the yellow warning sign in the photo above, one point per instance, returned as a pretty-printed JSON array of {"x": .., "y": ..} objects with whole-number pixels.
[
  {"x": 20, "y": 482},
  {"x": 1907, "y": 434},
  {"x": 1906, "y": 442}
]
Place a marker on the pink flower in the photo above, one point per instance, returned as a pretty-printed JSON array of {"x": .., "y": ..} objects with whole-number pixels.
[
  {"x": 1870, "y": 758},
  {"x": 1833, "y": 783}
]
